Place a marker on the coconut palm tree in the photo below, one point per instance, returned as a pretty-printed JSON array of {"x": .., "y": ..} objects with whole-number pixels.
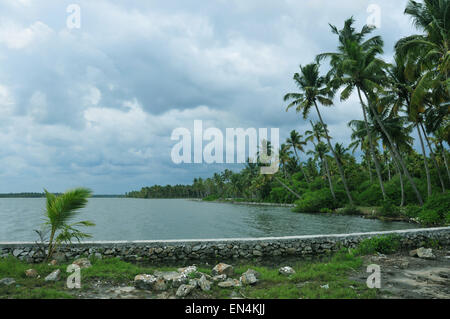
[
  {"x": 60, "y": 211},
  {"x": 313, "y": 88},
  {"x": 356, "y": 66},
  {"x": 359, "y": 138},
  {"x": 429, "y": 52},
  {"x": 320, "y": 152},
  {"x": 296, "y": 142}
]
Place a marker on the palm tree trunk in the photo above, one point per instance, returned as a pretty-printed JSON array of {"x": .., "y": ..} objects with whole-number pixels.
[
  {"x": 425, "y": 160},
  {"x": 397, "y": 155},
  {"x": 372, "y": 148},
  {"x": 330, "y": 182},
  {"x": 433, "y": 158},
  {"x": 300, "y": 164},
  {"x": 369, "y": 168},
  {"x": 402, "y": 187},
  {"x": 445, "y": 159},
  {"x": 341, "y": 170},
  {"x": 288, "y": 188}
]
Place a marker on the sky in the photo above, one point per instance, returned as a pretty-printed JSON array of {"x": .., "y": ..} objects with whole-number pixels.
[{"x": 94, "y": 104}]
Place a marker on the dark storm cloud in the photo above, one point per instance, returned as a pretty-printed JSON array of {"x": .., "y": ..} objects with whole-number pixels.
[{"x": 96, "y": 106}]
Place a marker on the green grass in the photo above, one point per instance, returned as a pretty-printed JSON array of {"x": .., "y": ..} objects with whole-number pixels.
[{"x": 305, "y": 283}]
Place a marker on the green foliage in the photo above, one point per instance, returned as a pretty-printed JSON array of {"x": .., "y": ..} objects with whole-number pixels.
[
  {"x": 350, "y": 210},
  {"x": 326, "y": 211},
  {"x": 412, "y": 211},
  {"x": 436, "y": 210},
  {"x": 382, "y": 244},
  {"x": 429, "y": 217},
  {"x": 61, "y": 209},
  {"x": 388, "y": 209},
  {"x": 211, "y": 198},
  {"x": 313, "y": 202}
]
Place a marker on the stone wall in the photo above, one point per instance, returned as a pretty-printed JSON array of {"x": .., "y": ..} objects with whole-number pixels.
[{"x": 173, "y": 251}]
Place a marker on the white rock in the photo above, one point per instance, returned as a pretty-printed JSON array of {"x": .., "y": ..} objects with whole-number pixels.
[
  {"x": 223, "y": 269},
  {"x": 286, "y": 271},
  {"x": 204, "y": 284},
  {"x": 82, "y": 263},
  {"x": 7, "y": 281},
  {"x": 145, "y": 281},
  {"x": 184, "y": 290},
  {"x": 54, "y": 276}
]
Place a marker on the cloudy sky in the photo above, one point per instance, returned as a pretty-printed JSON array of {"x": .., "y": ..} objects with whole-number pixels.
[{"x": 95, "y": 106}]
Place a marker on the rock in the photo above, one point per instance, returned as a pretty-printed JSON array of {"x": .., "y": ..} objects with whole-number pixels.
[
  {"x": 173, "y": 278},
  {"x": 325, "y": 286},
  {"x": 249, "y": 277},
  {"x": 223, "y": 269},
  {"x": 413, "y": 253},
  {"x": 286, "y": 271},
  {"x": 425, "y": 253},
  {"x": 82, "y": 263},
  {"x": 204, "y": 284},
  {"x": 31, "y": 273},
  {"x": 7, "y": 281},
  {"x": 160, "y": 285},
  {"x": 254, "y": 272},
  {"x": 163, "y": 295},
  {"x": 60, "y": 257},
  {"x": 98, "y": 256},
  {"x": 17, "y": 252},
  {"x": 193, "y": 282},
  {"x": 53, "y": 263},
  {"x": 219, "y": 278},
  {"x": 187, "y": 270},
  {"x": 257, "y": 253},
  {"x": 229, "y": 283},
  {"x": 184, "y": 290},
  {"x": 54, "y": 276},
  {"x": 144, "y": 281}
]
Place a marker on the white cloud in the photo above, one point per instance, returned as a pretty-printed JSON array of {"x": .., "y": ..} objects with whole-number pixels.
[{"x": 17, "y": 37}]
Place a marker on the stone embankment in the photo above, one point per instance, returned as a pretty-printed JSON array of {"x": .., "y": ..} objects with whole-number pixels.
[{"x": 173, "y": 251}]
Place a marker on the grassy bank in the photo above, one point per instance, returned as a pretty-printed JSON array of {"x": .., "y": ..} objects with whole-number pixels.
[{"x": 308, "y": 281}]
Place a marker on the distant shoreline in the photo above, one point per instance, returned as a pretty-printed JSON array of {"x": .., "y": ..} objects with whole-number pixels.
[
  {"x": 42, "y": 195},
  {"x": 243, "y": 203}
]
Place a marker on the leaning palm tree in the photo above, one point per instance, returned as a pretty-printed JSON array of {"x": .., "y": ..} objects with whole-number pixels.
[
  {"x": 320, "y": 152},
  {"x": 430, "y": 51},
  {"x": 59, "y": 213},
  {"x": 356, "y": 66},
  {"x": 313, "y": 88},
  {"x": 296, "y": 142}
]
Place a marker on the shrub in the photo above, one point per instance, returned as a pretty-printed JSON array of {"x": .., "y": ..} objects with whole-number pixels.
[
  {"x": 372, "y": 196},
  {"x": 313, "y": 202},
  {"x": 412, "y": 211},
  {"x": 326, "y": 211},
  {"x": 211, "y": 198},
  {"x": 436, "y": 210},
  {"x": 440, "y": 203},
  {"x": 351, "y": 210},
  {"x": 388, "y": 209},
  {"x": 429, "y": 217},
  {"x": 381, "y": 244}
]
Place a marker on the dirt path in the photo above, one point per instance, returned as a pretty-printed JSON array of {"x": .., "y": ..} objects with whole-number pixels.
[{"x": 405, "y": 277}]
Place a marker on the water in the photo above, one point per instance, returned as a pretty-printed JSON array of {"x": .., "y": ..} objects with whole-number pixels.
[{"x": 141, "y": 219}]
